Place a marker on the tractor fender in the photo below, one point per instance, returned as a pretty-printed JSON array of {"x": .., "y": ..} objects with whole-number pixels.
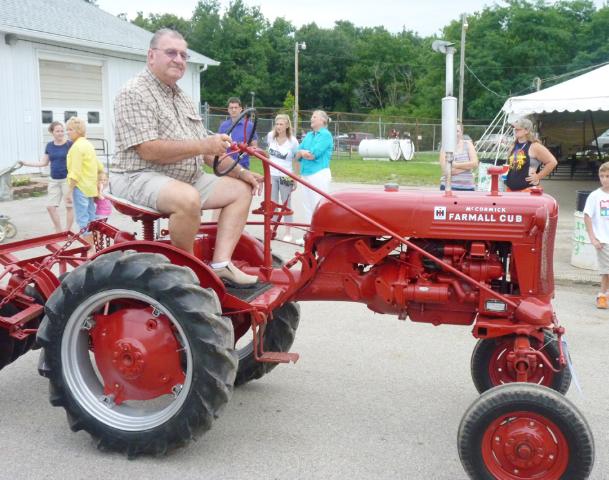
[
  {"x": 249, "y": 249},
  {"x": 176, "y": 256}
]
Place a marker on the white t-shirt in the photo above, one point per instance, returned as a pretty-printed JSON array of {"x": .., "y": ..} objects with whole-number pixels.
[
  {"x": 597, "y": 208},
  {"x": 282, "y": 154}
]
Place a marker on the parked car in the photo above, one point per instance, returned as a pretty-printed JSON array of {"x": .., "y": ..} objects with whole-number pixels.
[
  {"x": 603, "y": 141},
  {"x": 350, "y": 141}
]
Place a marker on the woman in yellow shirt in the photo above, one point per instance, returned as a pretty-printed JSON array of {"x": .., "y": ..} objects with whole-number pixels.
[{"x": 83, "y": 169}]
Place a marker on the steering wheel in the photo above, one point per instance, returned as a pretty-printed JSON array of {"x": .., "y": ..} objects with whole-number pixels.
[{"x": 250, "y": 115}]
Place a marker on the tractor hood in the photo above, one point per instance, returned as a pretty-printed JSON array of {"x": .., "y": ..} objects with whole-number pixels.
[{"x": 433, "y": 214}]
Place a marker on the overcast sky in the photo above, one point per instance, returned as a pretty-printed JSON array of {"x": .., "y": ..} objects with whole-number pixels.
[{"x": 423, "y": 16}]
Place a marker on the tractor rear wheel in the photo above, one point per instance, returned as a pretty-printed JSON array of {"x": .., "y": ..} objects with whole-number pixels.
[
  {"x": 489, "y": 365},
  {"x": 278, "y": 337},
  {"x": 137, "y": 353},
  {"x": 523, "y": 431}
]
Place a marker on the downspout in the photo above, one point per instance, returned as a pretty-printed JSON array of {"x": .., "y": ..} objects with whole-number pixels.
[{"x": 202, "y": 68}]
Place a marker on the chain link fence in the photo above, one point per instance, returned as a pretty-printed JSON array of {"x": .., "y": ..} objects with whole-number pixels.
[{"x": 349, "y": 128}]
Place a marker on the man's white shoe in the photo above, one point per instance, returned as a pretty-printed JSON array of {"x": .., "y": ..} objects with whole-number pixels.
[
  {"x": 234, "y": 277},
  {"x": 287, "y": 238}
]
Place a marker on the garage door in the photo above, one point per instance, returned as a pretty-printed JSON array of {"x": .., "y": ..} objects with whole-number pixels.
[{"x": 71, "y": 89}]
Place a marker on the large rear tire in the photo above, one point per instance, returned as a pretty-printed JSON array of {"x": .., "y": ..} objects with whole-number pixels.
[
  {"x": 137, "y": 353},
  {"x": 523, "y": 431},
  {"x": 278, "y": 337},
  {"x": 490, "y": 368}
]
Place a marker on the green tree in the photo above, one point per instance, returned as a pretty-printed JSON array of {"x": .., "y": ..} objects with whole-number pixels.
[
  {"x": 323, "y": 68},
  {"x": 154, "y": 22},
  {"x": 350, "y": 68}
]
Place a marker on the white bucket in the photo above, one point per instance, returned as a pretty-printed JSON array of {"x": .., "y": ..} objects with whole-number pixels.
[
  {"x": 583, "y": 254},
  {"x": 407, "y": 148},
  {"x": 379, "y": 149}
]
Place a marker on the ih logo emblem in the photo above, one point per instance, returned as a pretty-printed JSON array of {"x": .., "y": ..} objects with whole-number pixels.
[{"x": 439, "y": 213}]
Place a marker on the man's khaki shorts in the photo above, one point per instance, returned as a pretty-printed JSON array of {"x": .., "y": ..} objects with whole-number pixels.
[
  {"x": 142, "y": 188},
  {"x": 57, "y": 191}
]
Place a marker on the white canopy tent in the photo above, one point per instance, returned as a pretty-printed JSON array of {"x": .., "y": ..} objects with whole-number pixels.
[
  {"x": 587, "y": 92},
  {"x": 562, "y": 113}
]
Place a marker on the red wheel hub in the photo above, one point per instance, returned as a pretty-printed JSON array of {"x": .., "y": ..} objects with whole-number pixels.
[
  {"x": 137, "y": 354},
  {"x": 503, "y": 369},
  {"x": 525, "y": 445}
]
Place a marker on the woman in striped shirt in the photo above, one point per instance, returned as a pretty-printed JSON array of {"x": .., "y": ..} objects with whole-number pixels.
[{"x": 465, "y": 159}]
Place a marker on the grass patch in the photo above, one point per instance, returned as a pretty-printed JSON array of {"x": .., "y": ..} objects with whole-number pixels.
[
  {"x": 423, "y": 169},
  {"x": 20, "y": 181}
]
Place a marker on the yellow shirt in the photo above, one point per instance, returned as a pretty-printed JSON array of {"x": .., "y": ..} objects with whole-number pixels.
[{"x": 83, "y": 166}]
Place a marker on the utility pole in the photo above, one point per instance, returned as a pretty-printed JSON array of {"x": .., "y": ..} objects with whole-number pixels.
[
  {"x": 464, "y": 26},
  {"x": 297, "y": 46},
  {"x": 449, "y": 110}
]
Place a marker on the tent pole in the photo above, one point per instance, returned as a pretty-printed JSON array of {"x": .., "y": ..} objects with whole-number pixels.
[{"x": 598, "y": 149}]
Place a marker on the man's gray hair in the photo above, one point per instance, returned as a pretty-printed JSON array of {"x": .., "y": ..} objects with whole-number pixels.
[{"x": 154, "y": 41}]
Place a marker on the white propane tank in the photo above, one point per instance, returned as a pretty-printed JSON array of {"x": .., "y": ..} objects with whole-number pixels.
[
  {"x": 379, "y": 149},
  {"x": 407, "y": 148}
]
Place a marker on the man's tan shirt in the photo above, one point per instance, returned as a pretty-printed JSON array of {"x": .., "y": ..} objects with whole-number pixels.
[{"x": 147, "y": 109}]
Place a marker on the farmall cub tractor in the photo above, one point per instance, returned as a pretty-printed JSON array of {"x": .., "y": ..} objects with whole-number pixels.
[{"x": 139, "y": 341}]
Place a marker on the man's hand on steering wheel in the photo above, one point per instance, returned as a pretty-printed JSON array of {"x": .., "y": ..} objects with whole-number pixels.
[
  {"x": 248, "y": 115},
  {"x": 217, "y": 144}
]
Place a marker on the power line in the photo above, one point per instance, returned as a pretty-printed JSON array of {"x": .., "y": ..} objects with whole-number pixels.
[{"x": 483, "y": 85}]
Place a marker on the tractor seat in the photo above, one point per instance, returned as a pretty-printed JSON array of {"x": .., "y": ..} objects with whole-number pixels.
[{"x": 136, "y": 212}]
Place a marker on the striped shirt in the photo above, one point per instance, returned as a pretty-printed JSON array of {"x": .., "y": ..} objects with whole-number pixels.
[
  {"x": 146, "y": 109},
  {"x": 462, "y": 180}
]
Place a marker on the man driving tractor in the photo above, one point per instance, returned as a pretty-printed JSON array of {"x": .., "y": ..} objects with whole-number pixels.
[{"x": 161, "y": 144}]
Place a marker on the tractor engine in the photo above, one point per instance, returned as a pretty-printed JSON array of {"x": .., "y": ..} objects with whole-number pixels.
[{"x": 404, "y": 282}]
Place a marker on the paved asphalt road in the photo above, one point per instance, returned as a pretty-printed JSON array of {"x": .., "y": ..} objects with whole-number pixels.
[{"x": 371, "y": 398}]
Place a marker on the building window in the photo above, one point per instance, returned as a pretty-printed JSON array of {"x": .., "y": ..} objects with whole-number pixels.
[
  {"x": 68, "y": 114},
  {"x": 47, "y": 116},
  {"x": 92, "y": 117}
]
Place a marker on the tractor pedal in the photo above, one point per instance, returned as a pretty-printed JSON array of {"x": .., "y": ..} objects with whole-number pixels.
[{"x": 278, "y": 357}]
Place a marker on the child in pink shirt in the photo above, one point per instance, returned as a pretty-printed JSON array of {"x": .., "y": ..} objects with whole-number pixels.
[{"x": 103, "y": 206}]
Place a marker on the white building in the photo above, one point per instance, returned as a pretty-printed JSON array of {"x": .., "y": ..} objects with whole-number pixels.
[{"x": 62, "y": 58}]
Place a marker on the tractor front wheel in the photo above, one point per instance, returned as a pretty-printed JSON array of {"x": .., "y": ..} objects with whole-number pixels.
[
  {"x": 523, "y": 431},
  {"x": 490, "y": 365},
  {"x": 137, "y": 353}
]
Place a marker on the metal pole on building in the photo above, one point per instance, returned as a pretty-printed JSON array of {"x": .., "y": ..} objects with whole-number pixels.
[
  {"x": 462, "y": 65},
  {"x": 297, "y": 46},
  {"x": 206, "y": 115}
]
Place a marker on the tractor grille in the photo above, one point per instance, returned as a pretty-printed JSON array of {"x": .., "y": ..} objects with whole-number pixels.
[{"x": 546, "y": 271}]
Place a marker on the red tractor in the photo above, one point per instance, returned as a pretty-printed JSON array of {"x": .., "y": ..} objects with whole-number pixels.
[{"x": 139, "y": 341}]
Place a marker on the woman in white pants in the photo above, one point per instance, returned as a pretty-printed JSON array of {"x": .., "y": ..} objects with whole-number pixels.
[
  {"x": 313, "y": 155},
  {"x": 282, "y": 148}
]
